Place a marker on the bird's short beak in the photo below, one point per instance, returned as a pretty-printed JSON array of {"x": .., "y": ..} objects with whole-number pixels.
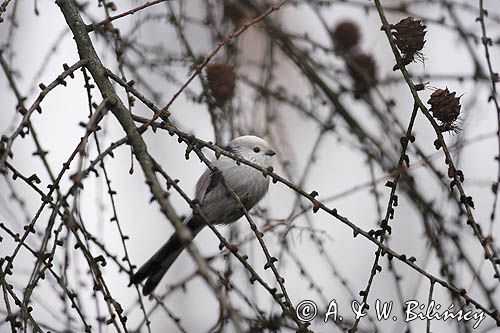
[{"x": 270, "y": 152}]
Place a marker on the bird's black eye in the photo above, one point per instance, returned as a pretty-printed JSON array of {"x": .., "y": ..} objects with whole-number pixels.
[{"x": 256, "y": 149}]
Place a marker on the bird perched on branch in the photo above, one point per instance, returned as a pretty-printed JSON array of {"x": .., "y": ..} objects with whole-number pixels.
[{"x": 216, "y": 203}]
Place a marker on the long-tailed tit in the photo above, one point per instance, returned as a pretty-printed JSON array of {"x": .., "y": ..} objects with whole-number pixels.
[{"x": 216, "y": 203}]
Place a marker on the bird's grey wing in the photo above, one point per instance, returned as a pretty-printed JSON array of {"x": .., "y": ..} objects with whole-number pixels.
[
  {"x": 216, "y": 202},
  {"x": 213, "y": 196},
  {"x": 207, "y": 183}
]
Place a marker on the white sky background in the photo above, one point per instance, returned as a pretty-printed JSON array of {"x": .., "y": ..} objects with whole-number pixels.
[{"x": 339, "y": 167}]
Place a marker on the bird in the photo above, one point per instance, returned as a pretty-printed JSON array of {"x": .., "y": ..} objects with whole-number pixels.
[{"x": 216, "y": 203}]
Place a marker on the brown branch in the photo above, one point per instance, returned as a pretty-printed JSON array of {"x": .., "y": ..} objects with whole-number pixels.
[
  {"x": 489, "y": 250},
  {"x": 94, "y": 26},
  {"x": 86, "y": 51}
]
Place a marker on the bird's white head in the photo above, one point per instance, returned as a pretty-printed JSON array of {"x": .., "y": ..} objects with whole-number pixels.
[{"x": 252, "y": 148}]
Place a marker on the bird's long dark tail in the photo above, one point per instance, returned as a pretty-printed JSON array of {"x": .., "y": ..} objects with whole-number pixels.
[{"x": 160, "y": 262}]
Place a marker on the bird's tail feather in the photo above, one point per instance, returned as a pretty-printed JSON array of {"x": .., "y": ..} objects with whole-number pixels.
[{"x": 156, "y": 267}]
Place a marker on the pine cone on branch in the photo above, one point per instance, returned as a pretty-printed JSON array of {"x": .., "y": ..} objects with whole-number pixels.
[
  {"x": 346, "y": 36},
  {"x": 445, "y": 107},
  {"x": 221, "y": 82},
  {"x": 362, "y": 69},
  {"x": 409, "y": 36}
]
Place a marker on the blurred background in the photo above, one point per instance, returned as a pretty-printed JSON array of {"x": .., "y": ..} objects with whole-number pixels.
[{"x": 316, "y": 80}]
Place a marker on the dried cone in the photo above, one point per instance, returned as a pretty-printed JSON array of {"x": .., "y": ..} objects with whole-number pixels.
[
  {"x": 362, "y": 68},
  {"x": 221, "y": 81},
  {"x": 409, "y": 36},
  {"x": 445, "y": 106},
  {"x": 346, "y": 36},
  {"x": 233, "y": 12}
]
